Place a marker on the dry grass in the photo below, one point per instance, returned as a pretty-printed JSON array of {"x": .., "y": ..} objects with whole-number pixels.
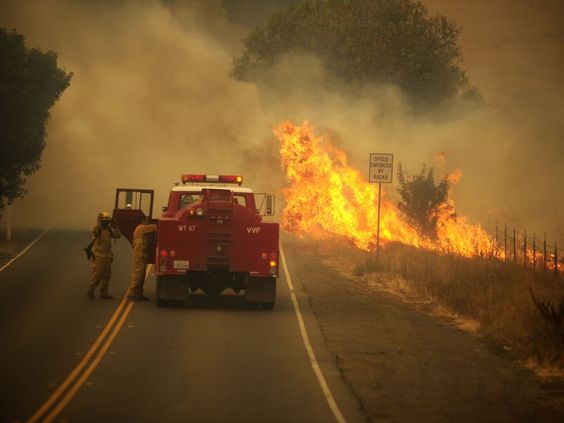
[{"x": 485, "y": 295}]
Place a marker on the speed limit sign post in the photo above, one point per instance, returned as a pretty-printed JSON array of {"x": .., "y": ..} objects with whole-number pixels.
[{"x": 380, "y": 171}]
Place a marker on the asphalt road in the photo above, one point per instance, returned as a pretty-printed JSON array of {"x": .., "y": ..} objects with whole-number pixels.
[{"x": 211, "y": 360}]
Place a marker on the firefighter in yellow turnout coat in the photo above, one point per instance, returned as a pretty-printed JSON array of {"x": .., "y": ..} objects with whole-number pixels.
[
  {"x": 141, "y": 252},
  {"x": 102, "y": 234}
]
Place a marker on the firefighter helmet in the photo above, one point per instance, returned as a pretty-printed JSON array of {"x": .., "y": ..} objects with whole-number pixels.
[{"x": 104, "y": 216}]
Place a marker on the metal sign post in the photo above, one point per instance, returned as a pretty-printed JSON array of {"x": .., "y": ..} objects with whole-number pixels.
[
  {"x": 380, "y": 171},
  {"x": 378, "y": 227}
]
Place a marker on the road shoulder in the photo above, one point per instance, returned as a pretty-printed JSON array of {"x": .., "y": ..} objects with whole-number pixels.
[
  {"x": 20, "y": 239},
  {"x": 403, "y": 364}
]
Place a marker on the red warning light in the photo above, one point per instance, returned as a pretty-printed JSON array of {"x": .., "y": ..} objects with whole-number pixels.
[
  {"x": 226, "y": 179},
  {"x": 231, "y": 179},
  {"x": 193, "y": 178}
]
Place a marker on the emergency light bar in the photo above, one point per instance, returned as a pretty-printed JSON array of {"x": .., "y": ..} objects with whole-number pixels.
[{"x": 226, "y": 179}]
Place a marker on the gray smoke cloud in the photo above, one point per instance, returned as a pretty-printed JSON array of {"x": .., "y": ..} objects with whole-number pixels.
[
  {"x": 152, "y": 98},
  {"x": 514, "y": 52}
]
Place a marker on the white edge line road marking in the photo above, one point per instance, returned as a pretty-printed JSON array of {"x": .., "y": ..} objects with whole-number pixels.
[
  {"x": 314, "y": 364},
  {"x": 22, "y": 252}
]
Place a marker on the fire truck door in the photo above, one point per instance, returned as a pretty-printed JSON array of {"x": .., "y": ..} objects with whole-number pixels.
[{"x": 131, "y": 207}]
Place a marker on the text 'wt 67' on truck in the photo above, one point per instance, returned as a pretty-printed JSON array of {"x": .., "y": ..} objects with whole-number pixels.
[{"x": 211, "y": 236}]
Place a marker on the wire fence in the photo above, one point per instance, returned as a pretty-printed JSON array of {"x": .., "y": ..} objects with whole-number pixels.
[
  {"x": 511, "y": 245},
  {"x": 529, "y": 251}
]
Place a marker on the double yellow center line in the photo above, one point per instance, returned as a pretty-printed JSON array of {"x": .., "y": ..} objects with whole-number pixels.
[{"x": 74, "y": 381}]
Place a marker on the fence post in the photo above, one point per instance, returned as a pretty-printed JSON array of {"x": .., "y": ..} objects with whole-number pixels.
[
  {"x": 544, "y": 246},
  {"x": 525, "y": 250},
  {"x": 514, "y": 246},
  {"x": 534, "y": 251},
  {"x": 496, "y": 241},
  {"x": 556, "y": 260},
  {"x": 504, "y": 242}
]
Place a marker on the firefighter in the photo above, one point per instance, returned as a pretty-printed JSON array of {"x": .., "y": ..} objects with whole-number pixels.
[
  {"x": 102, "y": 234},
  {"x": 141, "y": 253}
]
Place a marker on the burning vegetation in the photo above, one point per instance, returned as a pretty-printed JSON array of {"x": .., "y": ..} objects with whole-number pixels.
[
  {"x": 442, "y": 260},
  {"x": 326, "y": 195}
]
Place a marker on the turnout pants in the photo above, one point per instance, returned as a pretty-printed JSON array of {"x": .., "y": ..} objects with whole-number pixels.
[
  {"x": 137, "y": 276},
  {"x": 101, "y": 274}
]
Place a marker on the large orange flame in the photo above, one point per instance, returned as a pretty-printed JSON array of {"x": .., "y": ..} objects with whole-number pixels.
[{"x": 326, "y": 195}]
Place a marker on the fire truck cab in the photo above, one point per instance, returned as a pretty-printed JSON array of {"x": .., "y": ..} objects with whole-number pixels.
[{"x": 211, "y": 236}]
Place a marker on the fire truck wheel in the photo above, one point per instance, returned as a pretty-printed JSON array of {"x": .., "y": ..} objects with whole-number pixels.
[
  {"x": 267, "y": 306},
  {"x": 252, "y": 305},
  {"x": 260, "y": 291}
]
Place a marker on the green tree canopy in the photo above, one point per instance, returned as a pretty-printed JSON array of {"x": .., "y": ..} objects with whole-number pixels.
[
  {"x": 365, "y": 41},
  {"x": 421, "y": 197},
  {"x": 30, "y": 83}
]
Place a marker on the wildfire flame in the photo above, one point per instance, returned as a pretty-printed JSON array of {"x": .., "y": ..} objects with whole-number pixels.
[{"x": 326, "y": 195}]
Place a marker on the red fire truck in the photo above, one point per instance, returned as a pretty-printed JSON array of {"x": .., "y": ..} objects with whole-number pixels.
[{"x": 211, "y": 236}]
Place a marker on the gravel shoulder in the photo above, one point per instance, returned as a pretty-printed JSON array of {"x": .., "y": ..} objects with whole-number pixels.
[
  {"x": 403, "y": 364},
  {"x": 20, "y": 238}
]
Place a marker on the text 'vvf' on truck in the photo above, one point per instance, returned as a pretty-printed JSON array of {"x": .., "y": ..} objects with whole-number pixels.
[{"x": 211, "y": 237}]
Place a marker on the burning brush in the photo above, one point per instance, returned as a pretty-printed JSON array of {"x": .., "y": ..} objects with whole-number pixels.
[{"x": 326, "y": 195}]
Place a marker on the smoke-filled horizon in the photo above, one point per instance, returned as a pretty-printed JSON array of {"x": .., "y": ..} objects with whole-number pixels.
[{"x": 152, "y": 98}]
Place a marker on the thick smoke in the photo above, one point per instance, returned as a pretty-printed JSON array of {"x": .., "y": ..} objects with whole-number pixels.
[
  {"x": 152, "y": 98},
  {"x": 514, "y": 53},
  {"x": 511, "y": 152}
]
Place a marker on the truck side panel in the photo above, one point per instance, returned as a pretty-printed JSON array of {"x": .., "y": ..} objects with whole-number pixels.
[
  {"x": 249, "y": 248},
  {"x": 186, "y": 240},
  {"x": 254, "y": 246}
]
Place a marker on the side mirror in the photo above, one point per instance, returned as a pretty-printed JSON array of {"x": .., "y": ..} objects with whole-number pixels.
[
  {"x": 269, "y": 208},
  {"x": 165, "y": 209},
  {"x": 266, "y": 204}
]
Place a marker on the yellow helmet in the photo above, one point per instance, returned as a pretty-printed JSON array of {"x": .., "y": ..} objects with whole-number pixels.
[{"x": 104, "y": 216}]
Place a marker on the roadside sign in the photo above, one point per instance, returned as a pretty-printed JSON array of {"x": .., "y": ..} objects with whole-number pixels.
[
  {"x": 381, "y": 168},
  {"x": 380, "y": 171}
]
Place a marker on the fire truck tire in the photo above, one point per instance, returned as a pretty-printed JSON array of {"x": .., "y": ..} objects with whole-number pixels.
[
  {"x": 171, "y": 290},
  {"x": 251, "y": 305},
  {"x": 160, "y": 301},
  {"x": 260, "y": 291},
  {"x": 169, "y": 303},
  {"x": 267, "y": 306},
  {"x": 254, "y": 305}
]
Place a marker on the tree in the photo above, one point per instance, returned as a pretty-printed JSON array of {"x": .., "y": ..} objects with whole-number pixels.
[
  {"x": 421, "y": 198},
  {"x": 254, "y": 12},
  {"x": 30, "y": 83},
  {"x": 364, "y": 41}
]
